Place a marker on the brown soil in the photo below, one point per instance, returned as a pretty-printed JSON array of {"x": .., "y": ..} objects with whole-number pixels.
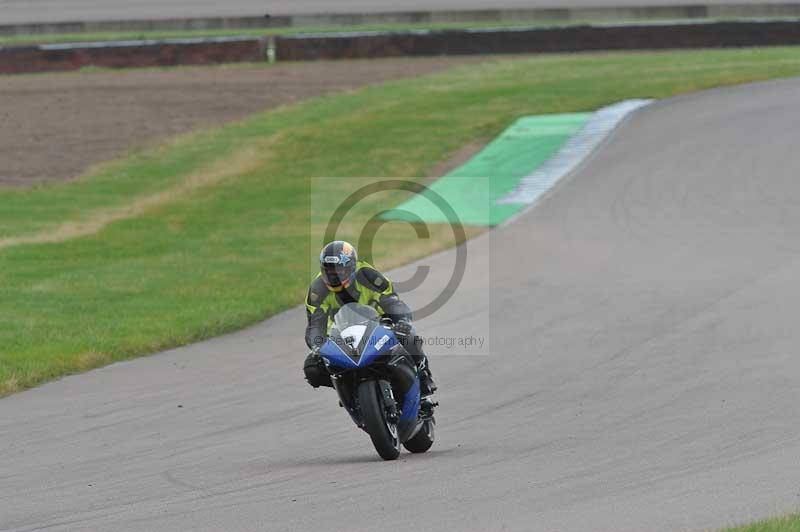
[{"x": 54, "y": 126}]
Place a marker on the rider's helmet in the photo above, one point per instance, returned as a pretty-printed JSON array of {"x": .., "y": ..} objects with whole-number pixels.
[{"x": 337, "y": 263}]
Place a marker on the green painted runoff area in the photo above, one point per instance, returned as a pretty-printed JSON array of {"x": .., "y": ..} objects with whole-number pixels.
[{"x": 473, "y": 189}]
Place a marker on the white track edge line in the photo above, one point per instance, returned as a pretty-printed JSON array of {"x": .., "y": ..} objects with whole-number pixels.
[{"x": 574, "y": 152}]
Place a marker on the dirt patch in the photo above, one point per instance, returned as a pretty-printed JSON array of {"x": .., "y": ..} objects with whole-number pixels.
[{"x": 54, "y": 126}]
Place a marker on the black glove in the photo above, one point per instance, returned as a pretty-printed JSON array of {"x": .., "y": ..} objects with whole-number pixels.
[
  {"x": 402, "y": 327},
  {"x": 313, "y": 358},
  {"x": 314, "y": 368}
]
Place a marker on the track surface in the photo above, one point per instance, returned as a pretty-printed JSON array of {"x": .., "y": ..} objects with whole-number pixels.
[
  {"x": 22, "y": 11},
  {"x": 642, "y": 375}
]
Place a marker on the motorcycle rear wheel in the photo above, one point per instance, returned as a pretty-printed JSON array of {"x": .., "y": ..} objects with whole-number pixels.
[
  {"x": 423, "y": 439},
  {"x": 382, "y": 432}
]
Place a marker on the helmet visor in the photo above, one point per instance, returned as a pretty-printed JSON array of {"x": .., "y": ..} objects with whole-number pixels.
[{"x": 337, "y": 276}]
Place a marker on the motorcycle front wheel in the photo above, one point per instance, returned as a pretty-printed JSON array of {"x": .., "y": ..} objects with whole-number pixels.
[{"x": 381, "y": 430}]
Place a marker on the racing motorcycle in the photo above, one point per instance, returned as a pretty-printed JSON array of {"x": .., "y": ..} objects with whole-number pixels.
[{"x": 378, "y": 382}]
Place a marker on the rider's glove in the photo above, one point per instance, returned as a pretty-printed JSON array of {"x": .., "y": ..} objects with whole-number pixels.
[
  {"x": 314, "y": 354},
  {"x": 313, "y": 358},
  {"x": 402, "y": 327},
  {"x": 315, "y": 371}
]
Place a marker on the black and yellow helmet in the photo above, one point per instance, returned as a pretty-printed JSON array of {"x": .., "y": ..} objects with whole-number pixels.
[{"x": 337, "y": 264}]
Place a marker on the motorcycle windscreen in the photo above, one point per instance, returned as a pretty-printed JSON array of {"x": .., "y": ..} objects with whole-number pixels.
[
  {"x": 354, "y": 314},
  {"x": 350, "y": 337}
]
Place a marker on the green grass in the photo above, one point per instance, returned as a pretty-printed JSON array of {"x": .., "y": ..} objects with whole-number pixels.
[
  {"x": 16, "y": 40},
  {"x": 211, "y": 232},
  {"x": 789, "y": 523}
]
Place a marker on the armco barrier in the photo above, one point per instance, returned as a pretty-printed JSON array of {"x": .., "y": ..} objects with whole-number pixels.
[
  {"x": 127, "y": 54},
  {"x": 527, "y": 40}
]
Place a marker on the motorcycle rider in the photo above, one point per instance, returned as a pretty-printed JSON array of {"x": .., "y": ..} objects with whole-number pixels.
[{"x": 345, "y": 279}]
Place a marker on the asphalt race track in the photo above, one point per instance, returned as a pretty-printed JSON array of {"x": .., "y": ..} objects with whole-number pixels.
[
  {"x": 642, "y": 375},
  {"x": 24, "y": 11}
]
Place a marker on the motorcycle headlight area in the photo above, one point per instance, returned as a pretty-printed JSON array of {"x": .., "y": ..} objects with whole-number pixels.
[{"x": 351, "y": 338}]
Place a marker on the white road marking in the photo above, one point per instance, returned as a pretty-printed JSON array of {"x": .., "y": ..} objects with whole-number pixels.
[{"x": 532, "y": 187}]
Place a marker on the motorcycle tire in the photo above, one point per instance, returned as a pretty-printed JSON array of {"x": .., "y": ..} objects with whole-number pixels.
[
  {"x": 423, "y": 439},
  {"x": 382, "y": 432}
]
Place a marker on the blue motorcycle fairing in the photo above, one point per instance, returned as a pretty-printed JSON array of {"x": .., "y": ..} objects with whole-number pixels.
[
  {"x": 333, "y": 355},
  {"x": 411, "y": 400},
  {"x": 379, "y": 343}
]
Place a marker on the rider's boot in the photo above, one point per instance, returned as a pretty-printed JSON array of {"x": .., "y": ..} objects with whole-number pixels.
[
  {"x": 426, "y": 383},
  {"x": 426, "y": 389}
]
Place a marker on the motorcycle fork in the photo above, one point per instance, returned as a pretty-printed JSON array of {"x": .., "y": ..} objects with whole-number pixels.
[{"x": 389, "y": 402}]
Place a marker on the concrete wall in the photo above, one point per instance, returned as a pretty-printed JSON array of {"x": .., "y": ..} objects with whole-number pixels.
[
  {"x": 394, "y": 44},
  {"x": 52, "y": 58},
  {"x": 565, "y": 39}
]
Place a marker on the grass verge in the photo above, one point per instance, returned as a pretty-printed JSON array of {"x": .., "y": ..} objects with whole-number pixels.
[
  {"x": 210, "y": 232},
  {"x": 789, "y": 523}
]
